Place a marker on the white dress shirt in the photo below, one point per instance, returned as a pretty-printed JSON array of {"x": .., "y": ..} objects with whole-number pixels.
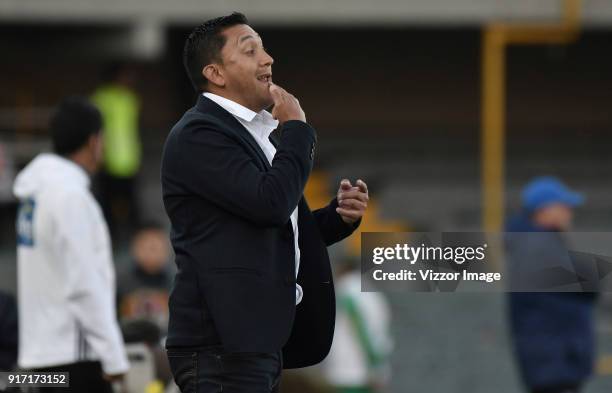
[{"x": 260, "y": 126}]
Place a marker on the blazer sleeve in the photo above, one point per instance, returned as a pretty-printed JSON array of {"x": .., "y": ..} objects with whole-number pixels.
[
  {"x": 218, "y": 168},
  {"x": 330, "y": 223}
]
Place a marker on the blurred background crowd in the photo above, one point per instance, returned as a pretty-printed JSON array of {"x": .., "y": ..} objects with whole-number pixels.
[{"x": 396, "y": 91}]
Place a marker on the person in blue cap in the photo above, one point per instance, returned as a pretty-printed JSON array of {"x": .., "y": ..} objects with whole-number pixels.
[{"x": 552, "y": 333}]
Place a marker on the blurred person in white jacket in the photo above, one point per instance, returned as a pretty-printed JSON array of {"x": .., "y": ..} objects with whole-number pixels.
[
  {"x": 358, "y": 361},
  {"x": 66, "y": 277}
]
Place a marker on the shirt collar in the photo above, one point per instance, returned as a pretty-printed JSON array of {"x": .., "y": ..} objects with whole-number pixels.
[{"x": 242, "y": 112}]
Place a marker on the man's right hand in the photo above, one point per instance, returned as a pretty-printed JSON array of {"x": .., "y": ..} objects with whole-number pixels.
[{"x": 286, "y": 106}]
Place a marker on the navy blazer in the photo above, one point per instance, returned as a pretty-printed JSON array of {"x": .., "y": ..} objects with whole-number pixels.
[{"x": 232, "y": 236}]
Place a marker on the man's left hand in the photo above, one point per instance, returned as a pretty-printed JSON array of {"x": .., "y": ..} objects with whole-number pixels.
[{"x": 352, "y": 200}]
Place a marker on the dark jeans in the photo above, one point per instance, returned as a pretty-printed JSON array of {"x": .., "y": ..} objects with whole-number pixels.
[
  {"x": 84, "y": 377},
  {"x": 213, "y": 370}
]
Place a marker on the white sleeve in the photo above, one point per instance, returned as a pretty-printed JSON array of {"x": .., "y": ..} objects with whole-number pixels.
[{"x": 90, "y": 278}]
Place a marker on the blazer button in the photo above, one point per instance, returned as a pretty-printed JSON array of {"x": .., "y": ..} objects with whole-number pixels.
[{"x": 312, "y": 149}]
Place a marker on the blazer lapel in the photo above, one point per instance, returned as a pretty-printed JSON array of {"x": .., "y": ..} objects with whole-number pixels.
[
  {"x": 209, "y": 106},
  {"x": 274, "y": 138}
]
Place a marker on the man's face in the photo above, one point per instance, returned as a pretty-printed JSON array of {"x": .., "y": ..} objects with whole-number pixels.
[
  {"x": 556, "y": 216},
  {"x": 246, "y": 68},
  {"x": 150, "y": 250}
]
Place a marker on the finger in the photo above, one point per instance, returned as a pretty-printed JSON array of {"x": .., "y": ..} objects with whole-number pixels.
[
  {"x": 294, "y": 98},
  {"x": 345, "y": 184},
  {"x": 353, "y": 194},
  {"x": 352, "y": 214},
  {"x": 353, "y": 204},
  {"x": 284, "y": 93},
  {"x": 362, "y": 185},
  {"x": 277, "y": 93}
]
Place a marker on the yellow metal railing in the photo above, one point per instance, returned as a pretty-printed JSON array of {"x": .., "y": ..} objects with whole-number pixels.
[{"x": 496, "y": 37}]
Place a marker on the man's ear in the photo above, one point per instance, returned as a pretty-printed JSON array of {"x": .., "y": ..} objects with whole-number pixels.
[
  {"x": 92, "y": 141},
  {"x": 214, "y": 75},
  {"x": 95, "y": 144}
]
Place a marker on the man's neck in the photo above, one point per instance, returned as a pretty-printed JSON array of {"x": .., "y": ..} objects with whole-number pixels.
[{"x": 82, "y": 161}]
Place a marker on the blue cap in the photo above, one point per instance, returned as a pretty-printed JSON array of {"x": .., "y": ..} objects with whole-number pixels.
[{"x": 547, "y": 190}]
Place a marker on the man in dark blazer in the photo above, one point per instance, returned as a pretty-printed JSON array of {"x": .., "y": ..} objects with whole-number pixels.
[{"x": 253, "y": 293}]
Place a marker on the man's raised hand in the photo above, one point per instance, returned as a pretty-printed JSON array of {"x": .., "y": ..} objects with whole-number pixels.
[
  {"x": 352, "y": 200},
  {"x": 286, "y": 106}
]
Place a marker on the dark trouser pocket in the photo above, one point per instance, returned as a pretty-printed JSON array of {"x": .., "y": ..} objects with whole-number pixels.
[
  {"x": 184, "y": 367},
  {"x": 250, "y": 372}
]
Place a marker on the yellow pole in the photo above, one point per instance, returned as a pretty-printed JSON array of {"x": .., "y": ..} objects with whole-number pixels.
[
  {"x": 493, "y": 117},
  {"x": 571, "y": 14},
  {"x": 493, "y": 121}
]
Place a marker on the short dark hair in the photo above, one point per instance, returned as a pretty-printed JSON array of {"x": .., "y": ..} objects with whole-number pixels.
[
  {"x": 204, "y": 44},
  {"x": 73, "y": 123}
]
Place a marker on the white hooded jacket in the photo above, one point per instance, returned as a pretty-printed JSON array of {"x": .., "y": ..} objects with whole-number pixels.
[{"x": 66, "y": 277}]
